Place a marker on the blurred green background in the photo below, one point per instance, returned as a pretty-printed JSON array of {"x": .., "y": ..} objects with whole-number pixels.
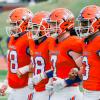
[{"x": 74, "y": 5}]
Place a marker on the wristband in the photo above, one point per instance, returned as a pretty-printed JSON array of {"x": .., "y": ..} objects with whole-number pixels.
[
  {"x": 70, "y": 81},
  {"x": 49, "y": 74}
]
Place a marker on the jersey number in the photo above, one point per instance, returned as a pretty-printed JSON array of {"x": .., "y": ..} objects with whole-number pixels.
[
  {"x": 85, "y": 60},
  {"x": 54, "y": 60},
  {"x": 13, "y": 61},
  {"x": 39, "y": 64}
]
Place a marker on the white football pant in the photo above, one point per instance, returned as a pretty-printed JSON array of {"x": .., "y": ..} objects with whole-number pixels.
[
  {"x": 68, "y": 93},
  {"x": 91, "y": 95},
  {"x": 44, "y": 95},
  {"x": 19, "y": 94}
]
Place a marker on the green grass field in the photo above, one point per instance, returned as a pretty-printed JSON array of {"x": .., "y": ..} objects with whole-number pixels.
[{"x": 74, "y": 5}]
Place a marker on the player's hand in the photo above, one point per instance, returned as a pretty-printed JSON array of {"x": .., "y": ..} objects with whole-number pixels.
[
  {"x": 73, "y": 73},
  {"x": 49, "y": 85},
  {"x": 58, "y": 84},
  {"x": 19, "y": 74},
  {"x": 3, "y": 88},
  {"x": 39, "y": 77}
]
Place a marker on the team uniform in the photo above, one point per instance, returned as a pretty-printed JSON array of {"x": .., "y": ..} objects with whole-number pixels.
[
  {"x": 40, "y": 60},
  {"x": 91, "y": 78},
  {"x": 89, "y": 30},
  {"x": 18, "y": 56},
  {"x": 63, "y": 63}
]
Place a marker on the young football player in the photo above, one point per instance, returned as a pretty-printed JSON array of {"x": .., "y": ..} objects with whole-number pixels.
[
  {"x": 89, "y": 30},
  {"x": 18, "y": 54},
  {"x": 39, "y": 50},
  {"x": 65, "y": 55}
]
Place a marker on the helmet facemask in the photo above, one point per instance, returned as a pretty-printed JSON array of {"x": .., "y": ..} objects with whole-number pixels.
[
  {"x": 58, "y": 27},
  {"x": 54, "y": 28},
  {"x": 83, "y": 28},
  {"x": 38, "y": 30},
  {"x": 14, "y": 29},
  {"x": 88, "y": 21}
]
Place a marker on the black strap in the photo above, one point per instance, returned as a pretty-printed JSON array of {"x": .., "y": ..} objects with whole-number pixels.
[
  {"x": 72, "y": 32},
  {"x": 91, "y": 37},
  {"x": 21, "y": 34}
]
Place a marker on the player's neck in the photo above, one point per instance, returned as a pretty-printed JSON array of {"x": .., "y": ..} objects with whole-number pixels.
[
  {"x": 63, "y": 36},
  {"x": 42, "y": 39}
]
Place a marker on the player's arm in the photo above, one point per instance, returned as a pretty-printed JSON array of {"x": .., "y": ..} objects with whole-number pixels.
[
  {"x": 77, "y": 78},
  {"x": 74, "y": 75},
  {"x": 78, "y": 60},
  {"x": 59, "y": 83},
  {"x": 23, "y": 70},
  {"x": 39, "y": 77}
]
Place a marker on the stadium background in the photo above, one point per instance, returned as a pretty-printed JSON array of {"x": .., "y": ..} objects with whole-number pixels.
[{"x": 35, "y": 5}]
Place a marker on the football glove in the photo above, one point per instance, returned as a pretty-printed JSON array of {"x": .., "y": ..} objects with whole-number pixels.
[
  {"x": 39, "y": 77},
  {"x": 58, "y": 84},
  {"x": 47, "y": 74},
  {"x": 49, "y": 85}
]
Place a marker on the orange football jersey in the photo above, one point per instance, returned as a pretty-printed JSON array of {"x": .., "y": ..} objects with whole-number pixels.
[
  {"x": 40, "y": 60},
  {"x": 91, "y": 63},
  {"x": 60, "y": 58},
  {"x": 18, "y": 57}
]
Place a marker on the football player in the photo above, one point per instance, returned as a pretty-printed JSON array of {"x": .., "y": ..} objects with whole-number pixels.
[
  {"x": 89, "y": 30},
  {"x": 18, "y": 54},
  {"x": 39, "y": 50},
  {"x": 65, "y": 55}
]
